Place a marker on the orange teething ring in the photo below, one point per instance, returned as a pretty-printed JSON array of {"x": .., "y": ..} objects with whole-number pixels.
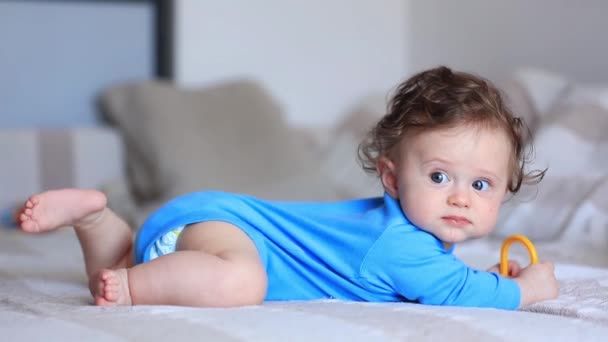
[{"x": 504, "y": 260}]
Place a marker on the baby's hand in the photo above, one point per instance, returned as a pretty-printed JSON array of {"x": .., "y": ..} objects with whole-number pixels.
[
  {"x": 513, "y": 267},
  {"x": 537, "y": 282}
]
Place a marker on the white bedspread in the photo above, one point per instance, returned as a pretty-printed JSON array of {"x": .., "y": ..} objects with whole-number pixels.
[{"x": 43, "y": 296}]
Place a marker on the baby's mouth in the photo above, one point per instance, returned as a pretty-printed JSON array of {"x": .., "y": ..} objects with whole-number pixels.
[{"x": 457, "y": 221}]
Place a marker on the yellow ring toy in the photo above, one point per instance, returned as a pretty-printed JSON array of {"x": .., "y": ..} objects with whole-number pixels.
[{"x": 504, "y": 260}]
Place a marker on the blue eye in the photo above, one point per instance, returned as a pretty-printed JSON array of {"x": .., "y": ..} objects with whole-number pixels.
[
  {"x": 481, "y": 185},
  {"x": 439, "y": 177}
]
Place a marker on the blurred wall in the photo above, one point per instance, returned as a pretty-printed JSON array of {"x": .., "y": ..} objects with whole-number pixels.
[
  {"x": 319, "y": 58},
  {"x": 316, "y": 57},
  {"x": 55, "y": 56},
  {"x": 496, "y": 37}
]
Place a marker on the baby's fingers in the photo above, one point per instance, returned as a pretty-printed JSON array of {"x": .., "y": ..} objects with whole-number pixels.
[{"x": 514, "y": 268}]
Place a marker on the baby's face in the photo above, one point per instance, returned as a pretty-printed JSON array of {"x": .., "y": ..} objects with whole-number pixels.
[{"x": 451, "y": 182}]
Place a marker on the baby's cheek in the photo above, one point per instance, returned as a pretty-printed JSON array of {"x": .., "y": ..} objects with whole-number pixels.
[
  {"x": 492, "y": 210},
  {"x": 415, "y": 212},
  {"x": 492, "y": 213}
]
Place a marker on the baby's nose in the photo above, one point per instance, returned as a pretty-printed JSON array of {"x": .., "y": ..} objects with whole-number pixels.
[{"x": 459, "y": 198}]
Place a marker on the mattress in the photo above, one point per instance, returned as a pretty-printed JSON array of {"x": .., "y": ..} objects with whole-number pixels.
[{"x": 44, "y": 295}]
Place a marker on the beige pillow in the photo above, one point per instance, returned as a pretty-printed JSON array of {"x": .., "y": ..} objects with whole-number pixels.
[
  {"x": 572, "y": 143},
  {"x": 339, "y": 159},
  {"x": 532, "y": 92},
  {"x": 230, "y": 137}
]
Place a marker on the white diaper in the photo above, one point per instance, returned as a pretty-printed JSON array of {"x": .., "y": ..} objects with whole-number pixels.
[{"x": 166, "y": 243}]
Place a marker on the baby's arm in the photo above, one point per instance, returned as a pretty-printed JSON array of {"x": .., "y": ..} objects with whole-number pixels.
[
  {"x": 537, "y": 282},
  {"x": 414, "y": 265},
  {"x": 442, "y": 279}
]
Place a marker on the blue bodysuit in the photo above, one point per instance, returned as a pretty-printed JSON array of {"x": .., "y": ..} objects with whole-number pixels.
[{"x": 361, "y": 250}]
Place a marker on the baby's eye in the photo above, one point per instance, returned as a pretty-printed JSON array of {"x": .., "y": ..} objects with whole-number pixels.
[
  {"x": 481, "y": 185},
  {"x": 439, "y": 177}
]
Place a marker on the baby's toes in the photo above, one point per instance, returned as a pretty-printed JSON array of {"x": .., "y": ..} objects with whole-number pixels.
[
  {"x": 29, "y": 226},
  {"x": 34, "y": 199},
  {"x": 106, "y": 275},
  {"x": 111, "y": 292},
  {"x": 110, "y": 278},
  {"x": 100, "y": 288},
  {"x": 100, "y": 301}
]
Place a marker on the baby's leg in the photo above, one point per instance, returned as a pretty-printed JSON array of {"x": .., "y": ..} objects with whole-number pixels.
[
  {"x": 110, "y": 287},
  {"x": 105, "y": 239},
  {"x": 216, "y": 265},
  {"x": 59, "y": 208}
]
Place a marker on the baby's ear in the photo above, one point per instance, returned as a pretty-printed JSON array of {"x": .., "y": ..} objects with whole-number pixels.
[{"x": 388, "y": 176}]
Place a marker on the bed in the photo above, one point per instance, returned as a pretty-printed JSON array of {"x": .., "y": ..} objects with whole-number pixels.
[
  {"x": 44, "y": 295},
  {"x": 43, "y": 289}
]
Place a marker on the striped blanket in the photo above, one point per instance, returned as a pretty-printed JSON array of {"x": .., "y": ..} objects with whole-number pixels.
[{"x": 44, "y": 296}]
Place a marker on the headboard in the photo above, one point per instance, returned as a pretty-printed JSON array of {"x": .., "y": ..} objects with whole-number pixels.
[{"x": 56, "y": 55}]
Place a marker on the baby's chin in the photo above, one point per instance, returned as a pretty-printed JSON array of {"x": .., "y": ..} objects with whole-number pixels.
[{"x": 451, "y": 236}]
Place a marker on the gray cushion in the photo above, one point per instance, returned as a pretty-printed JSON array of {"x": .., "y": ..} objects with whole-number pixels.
[{"x": 230, "y": 136}]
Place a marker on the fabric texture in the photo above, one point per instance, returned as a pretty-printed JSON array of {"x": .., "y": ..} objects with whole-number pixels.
[
  {"x": 232, "y": 136},
  {"x": 165, "y": 244},
  {"x": 570, "y": 141},
  {"x": 363, "y": 250},
  {"x": 43, "y": 285}
]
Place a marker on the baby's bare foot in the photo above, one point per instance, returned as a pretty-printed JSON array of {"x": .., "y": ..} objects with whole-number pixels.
[
  {"x": 111, "y": 287},
  {"x": 58, "y": 208}
]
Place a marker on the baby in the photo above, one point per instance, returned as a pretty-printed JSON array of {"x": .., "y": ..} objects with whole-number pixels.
[{"x": 447, "y": 154}]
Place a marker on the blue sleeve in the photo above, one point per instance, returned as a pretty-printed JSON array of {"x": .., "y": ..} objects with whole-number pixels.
[{"x": 419, "y": 269}]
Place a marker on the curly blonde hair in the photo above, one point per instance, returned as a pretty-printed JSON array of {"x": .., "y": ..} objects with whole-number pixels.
[{"x": 441, "y": 98}]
